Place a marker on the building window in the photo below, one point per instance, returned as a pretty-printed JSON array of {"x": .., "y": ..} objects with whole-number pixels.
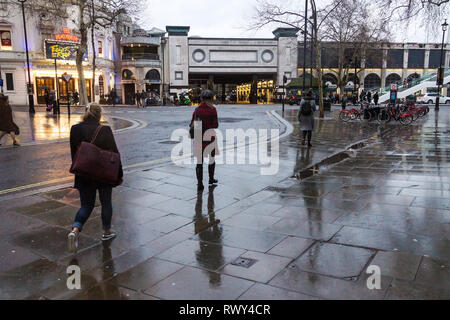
[
  {"x": 5, "y": 37},
  {"x": 372, "y": 81},
  {"x": 100, "y": 48},
  {"x": 101, "y": 87},
  {"x": 178, "y": 75},
  {"x": 416, "y": 58},
  {"x": 394, "y": 58},
  {"x": 9, "y": 81}
]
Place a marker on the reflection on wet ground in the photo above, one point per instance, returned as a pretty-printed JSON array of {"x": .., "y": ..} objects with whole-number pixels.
[
  {"x": 385, "y": 202},
  {"x": 48, "y": 127}
]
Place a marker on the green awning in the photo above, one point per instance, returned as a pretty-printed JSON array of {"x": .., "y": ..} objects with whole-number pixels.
[{"x": 298, "y": 83}]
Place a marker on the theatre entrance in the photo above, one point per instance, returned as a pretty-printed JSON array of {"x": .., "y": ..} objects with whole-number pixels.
[{"x": 235, "y": 88}]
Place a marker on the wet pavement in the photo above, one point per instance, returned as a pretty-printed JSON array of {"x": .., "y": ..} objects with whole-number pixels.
[
  {"x": 369, "y": 196},
  {"x": 147, "y": 143}
]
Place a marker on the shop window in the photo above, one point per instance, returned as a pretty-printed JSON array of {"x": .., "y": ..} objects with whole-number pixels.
[
  {"x": 5, "y": 37},
  {"x": 9, "y": 81}
]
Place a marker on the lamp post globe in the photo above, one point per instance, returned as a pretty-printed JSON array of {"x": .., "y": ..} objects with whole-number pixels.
[{"x": 29, "y": 85}]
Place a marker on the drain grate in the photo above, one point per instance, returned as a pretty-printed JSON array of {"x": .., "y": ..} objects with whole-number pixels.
[{"x": 244, "y": 262}]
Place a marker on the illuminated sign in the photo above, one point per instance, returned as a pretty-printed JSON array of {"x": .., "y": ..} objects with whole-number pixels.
[
  {"x": 66, "y": 35},
  {"x": 62, "y": 51}
]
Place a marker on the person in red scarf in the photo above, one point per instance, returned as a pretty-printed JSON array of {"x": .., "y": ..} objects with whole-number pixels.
[{"x": 206, "y": 145}]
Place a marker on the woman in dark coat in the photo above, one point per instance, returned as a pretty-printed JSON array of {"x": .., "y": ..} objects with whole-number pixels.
[
  {"x": 84, "y": 131},
  {"x": 306, "y": 117},
  {"x": 7, "y": 125},
  {"x": 206, "y": 113}
]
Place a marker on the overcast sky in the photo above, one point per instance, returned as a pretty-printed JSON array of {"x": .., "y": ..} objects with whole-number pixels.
[{"x": 230, "y": 18}]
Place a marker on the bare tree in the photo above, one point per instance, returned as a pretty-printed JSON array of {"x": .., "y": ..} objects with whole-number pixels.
[
  {"x": 427, "y": 12},
  {"x": 268, "y": 12},
  {"x": 346, "y": 23},
  {"x": 353, "y": 33}
]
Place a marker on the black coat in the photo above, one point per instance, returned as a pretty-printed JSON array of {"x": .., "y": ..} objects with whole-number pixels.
[{"x": 84, "y": 131}]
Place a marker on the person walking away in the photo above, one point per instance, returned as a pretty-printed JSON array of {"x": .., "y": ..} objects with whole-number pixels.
[
  {"x": 47, "y": 100},
  {"x": 76, "y": 98},
  {"x": 143, "y": 98},
  {"x": 84, "y": 132},
  {"x": 138, "y": 98},
  {"x": 336, "y": 98},
  {"x": 206, "y": 113},
  {"x": 113, "y": 96},
  {"x": 7, "y": 125},
  {"x": 306, "y": 117},
  {"x": 344, "y": 102},
  {"x": 362, "y": 95},
  {"x": 376, "y": 97},
  {"x": 369, "y": 97}
]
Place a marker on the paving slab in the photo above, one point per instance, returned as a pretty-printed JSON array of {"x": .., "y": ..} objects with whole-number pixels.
[
  {"x": 398, "y": 265},
  {"x": 265, "y": 267},
  {"x": 208, "y": 256},
  {"x": 189, "y": 283},
  {"x": 334, "y": 260},
  {"x": 265, "y": 292}
]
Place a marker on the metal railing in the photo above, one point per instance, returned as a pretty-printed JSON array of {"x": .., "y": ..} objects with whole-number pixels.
[{"x": 140, "y": 56}]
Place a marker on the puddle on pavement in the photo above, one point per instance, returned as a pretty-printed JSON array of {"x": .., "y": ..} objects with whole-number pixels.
[
  {"x": 329, "y": 162},
  {"x": 45, "y": 126}
]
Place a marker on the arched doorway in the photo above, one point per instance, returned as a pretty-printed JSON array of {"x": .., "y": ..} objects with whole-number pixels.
[
  {"x": 129, "y": 87},
  {"x": 393, "y": 78},
  {"x": 372, "y": 81},
  {"x": 153, "y": 79},
  {"x": 101, "y": 87}
]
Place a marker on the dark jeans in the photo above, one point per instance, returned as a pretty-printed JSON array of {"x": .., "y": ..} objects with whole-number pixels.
[
  {"x": 309, "y": 134},
  {"x": 87, "y": 197}
]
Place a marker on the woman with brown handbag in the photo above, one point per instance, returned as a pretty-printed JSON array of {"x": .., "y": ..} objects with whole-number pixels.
[
  {"x": 102, "y": 137},
  {"x": 7, "y": 125}
]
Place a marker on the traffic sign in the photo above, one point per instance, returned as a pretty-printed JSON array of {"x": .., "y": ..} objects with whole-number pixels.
[{"x": 66, "y": 77}]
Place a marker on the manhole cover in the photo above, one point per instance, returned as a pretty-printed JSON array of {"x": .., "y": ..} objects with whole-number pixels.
[
  {"x": 244, "y": 262},
  {"x": 169, "y": 142}
]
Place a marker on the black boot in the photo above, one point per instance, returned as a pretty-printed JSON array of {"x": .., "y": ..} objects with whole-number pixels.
[
  {"x": 199, "y": 172},
  {"x": 211, "y": 169}
]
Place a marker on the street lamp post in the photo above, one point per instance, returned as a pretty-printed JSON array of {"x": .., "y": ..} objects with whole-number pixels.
[
  {"x": 305, "y": 32},
  {"x": 29, "y": 87},
  {"x": 440, "y": 76}
]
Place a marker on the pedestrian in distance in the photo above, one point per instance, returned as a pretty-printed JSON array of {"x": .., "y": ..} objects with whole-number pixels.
[
  {"x": 113, "y": 96},
  {"x": 206, "y": 116},
  {"x": 138, "y": 98},
  {"x": 344, "y": 102},
  {"x": 306, "y": 117},
  {"x": 362, "y": 96},
  {"x": 369, "y": 97},
  {"x": 376, "y": 98},
  {"x": 7, "y": 125},
  {"x": 90, "y": 130},
  {"x": 76, "y": 98}
]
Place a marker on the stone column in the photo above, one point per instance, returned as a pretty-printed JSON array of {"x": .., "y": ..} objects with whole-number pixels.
[
  {"x": 427, "y": 60},
  {"x": 405, "y": 64}
]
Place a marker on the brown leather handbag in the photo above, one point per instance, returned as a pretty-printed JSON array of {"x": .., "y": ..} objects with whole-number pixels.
[{"x": 98, "y": 165}]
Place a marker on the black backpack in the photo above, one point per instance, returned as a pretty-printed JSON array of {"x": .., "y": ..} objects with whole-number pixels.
[{"x": 306, "y": 109}]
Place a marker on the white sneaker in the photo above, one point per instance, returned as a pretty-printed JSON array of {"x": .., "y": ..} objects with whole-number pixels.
[
  {"x": 111, "y": 235},
  {"x": 72, "y": 242}
]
